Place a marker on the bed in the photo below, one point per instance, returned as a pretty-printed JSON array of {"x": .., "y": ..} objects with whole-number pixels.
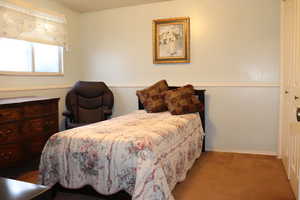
[{"x": 144, "y": 154}]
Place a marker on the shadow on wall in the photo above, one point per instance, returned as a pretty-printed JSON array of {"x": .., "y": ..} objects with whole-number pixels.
[{"x": 210, "y": 127}]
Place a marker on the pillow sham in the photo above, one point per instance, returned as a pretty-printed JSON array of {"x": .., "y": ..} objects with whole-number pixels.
[
  {"x": 182, "y": 100},
  {"x": 152, "y": 98}
]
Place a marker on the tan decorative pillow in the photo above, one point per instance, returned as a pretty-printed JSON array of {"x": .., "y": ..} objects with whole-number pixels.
[
  {"x": 182, "y": 100},
  {"x": 151, "y": 97}
]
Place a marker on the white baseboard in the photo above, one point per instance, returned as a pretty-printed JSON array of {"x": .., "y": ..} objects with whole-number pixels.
[{"x": 268, "y": 153}]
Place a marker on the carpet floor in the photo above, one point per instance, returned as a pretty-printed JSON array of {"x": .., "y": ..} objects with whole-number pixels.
[{"x": 220, "y": 176}]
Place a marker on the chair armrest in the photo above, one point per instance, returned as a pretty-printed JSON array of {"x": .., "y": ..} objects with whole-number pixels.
[
  {"x": 68, "y": 119},
  {"x": 67, "y": 114}
]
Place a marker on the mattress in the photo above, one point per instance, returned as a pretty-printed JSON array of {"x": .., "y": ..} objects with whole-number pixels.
[{"x": 145, "y": 154}]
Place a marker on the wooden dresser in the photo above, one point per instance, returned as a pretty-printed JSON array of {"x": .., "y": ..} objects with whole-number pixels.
[{"x": 25, "y": 125}]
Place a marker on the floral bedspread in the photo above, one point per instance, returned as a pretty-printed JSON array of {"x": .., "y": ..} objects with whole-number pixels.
[{"x": 144, "y": 154}]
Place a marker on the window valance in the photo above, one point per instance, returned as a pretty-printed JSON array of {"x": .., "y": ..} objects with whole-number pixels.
[{"x": 30, "y": 24}]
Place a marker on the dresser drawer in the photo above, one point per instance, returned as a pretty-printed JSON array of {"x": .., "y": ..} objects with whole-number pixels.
[
  {"x": 10, "y": 154},
  {"x": 43, "y": 126},
  {"x": 40, "y": 109},
  {"x": 9, "y": 133},
  {"x": 10, "y": 114}
]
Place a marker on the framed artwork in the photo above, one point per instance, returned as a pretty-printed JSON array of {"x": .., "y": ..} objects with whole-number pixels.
[{"x": 171, "y": 40}]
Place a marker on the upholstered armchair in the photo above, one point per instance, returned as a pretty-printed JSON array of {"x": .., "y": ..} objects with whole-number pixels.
[{"x": 88, "y": 102}]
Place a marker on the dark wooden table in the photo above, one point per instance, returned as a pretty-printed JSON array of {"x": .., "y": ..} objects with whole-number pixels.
[{"x": 18, "y": 190}]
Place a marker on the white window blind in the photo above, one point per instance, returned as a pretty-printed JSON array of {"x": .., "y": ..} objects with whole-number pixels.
[{"x": 23, "y": 22}]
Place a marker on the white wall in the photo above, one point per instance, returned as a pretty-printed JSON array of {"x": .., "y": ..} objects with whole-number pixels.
[
  {"x": 234, "y": 43},
  {"x": 72, "y": 67},
  {"x": 231, "y": 40}
]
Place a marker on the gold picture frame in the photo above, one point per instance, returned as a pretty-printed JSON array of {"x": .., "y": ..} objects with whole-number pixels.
[{"x": 171, "y": 40}]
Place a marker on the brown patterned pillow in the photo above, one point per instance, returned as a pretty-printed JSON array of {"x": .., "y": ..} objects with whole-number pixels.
[
  {"x": 151, "y": 97},
  {"x": 198, "y": 105},
  {"x": 182, "y": 100}
]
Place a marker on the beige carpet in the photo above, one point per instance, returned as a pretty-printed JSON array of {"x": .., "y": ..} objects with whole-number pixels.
[
  {"x": 223, "y": 176},
  {"x": 227, "y": 176}
]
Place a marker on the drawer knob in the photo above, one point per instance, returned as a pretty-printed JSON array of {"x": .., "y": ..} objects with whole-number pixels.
[
  {"x": 5, "y": 133},
  {"x": 6, "y": 156}
]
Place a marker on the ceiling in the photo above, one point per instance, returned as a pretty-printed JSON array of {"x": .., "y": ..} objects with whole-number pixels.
[{"x": 96, "y": 5}]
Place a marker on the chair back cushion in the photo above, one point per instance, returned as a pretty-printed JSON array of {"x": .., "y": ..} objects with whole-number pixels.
[{"x": 87, "y": 101}]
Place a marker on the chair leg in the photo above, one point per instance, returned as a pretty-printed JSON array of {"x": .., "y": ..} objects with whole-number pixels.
[{"x": 66, "y": 124}]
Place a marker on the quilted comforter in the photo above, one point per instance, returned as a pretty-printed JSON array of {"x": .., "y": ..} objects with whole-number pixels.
[{"x": 141, "y": 153}]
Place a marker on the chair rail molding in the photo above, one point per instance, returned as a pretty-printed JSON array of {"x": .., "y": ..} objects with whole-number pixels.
[
  {"x": 206, "y": 84},
  {"x": 51, "y": 87},
  {"x": 200, "y": 84}
]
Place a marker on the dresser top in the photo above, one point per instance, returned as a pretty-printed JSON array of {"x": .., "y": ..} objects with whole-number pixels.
[{"x": 17, "y": 100}]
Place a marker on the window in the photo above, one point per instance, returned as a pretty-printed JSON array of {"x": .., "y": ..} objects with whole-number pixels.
[{"x": 29, "y": 57}]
